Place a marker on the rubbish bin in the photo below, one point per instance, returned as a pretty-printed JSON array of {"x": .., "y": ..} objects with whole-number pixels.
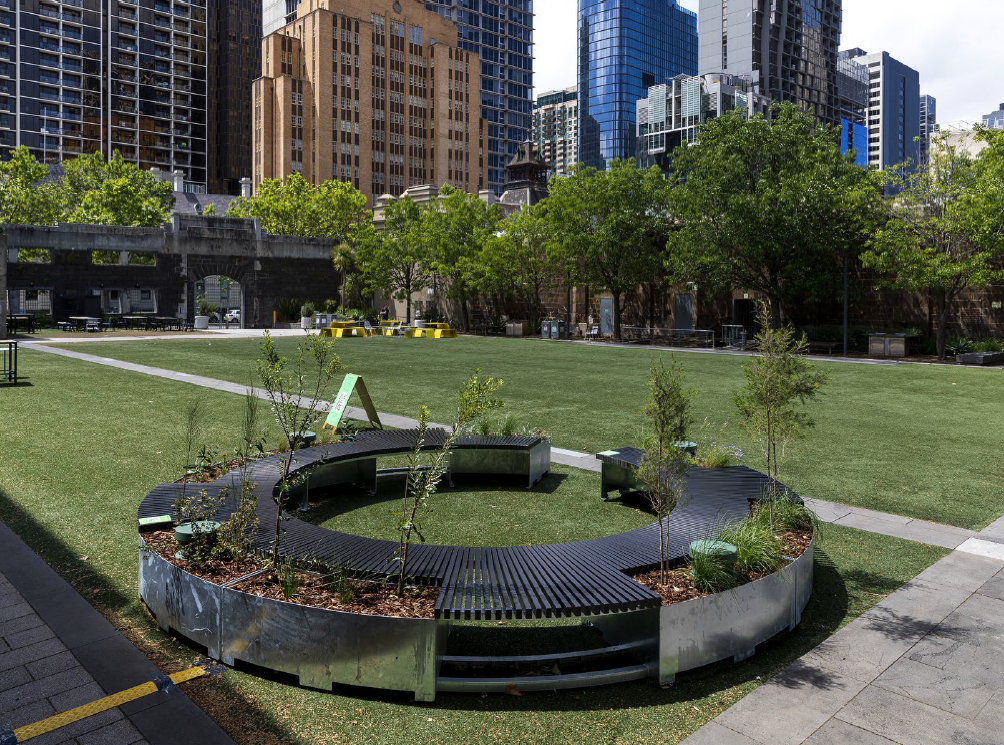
[
  {"x": 557, "y": 329},
  {"x": 545, "y": 329}
]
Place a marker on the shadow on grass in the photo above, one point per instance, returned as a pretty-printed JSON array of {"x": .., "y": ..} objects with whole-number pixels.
[{"x": 116, "y": 605}]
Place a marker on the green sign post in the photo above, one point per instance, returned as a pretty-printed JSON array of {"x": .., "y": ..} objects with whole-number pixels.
[{"x": 350, "y": 383}]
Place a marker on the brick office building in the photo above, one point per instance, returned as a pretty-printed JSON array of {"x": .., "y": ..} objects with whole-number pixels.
[{"x": 377, "y": 94}]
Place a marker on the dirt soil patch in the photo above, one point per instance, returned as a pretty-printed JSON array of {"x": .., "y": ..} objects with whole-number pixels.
[
  {"x": 679, "y": 587},
  {"x": 360, "y": 596}
]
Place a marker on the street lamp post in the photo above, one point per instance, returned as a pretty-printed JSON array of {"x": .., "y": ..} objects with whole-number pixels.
[{"x": 846, "y": 255}]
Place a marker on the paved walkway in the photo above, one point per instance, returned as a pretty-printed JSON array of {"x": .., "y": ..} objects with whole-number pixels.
[
  {"x": 57, "y": 652},
  {"x": 922, "y": 667}
]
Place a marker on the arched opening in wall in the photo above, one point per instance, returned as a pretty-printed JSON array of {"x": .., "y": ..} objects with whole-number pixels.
[{"x": 224, "y": 297}]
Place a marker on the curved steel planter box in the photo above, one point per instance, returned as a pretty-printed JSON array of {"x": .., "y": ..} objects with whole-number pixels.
[
  {"x": 684, "y": 636},
  {"x": 321, "y": 647},
  {"x": 732, "y": 623}
]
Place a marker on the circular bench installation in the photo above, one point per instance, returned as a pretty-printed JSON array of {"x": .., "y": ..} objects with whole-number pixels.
[{"x": 584, "y": 579}]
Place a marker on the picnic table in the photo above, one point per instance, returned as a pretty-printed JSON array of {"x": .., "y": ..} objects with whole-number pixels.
[
  {"x": 85, "y": 323},
  {"x": 137, "y": 321},
  {"x": 20, "y": 319}
]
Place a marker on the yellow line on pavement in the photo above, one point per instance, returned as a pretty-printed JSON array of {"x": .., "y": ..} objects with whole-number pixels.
[{"x": 102, "y": 704}]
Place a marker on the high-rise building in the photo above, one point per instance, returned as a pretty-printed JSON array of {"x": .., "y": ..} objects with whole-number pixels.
[
  {"x": 234, "y": 63},
  {"x": 277, "y": 13},
  {"x": 377, "y": 93},
  {"x": 500, "y": 32},
  {"x": 556, "y": 129},
  {"x": 788, "y": 48},
  {"x": 852, "y": 101},
  {"x": 995, "y": 119},
  {"x": 626, "y": 47},
  {"x": 82, "y": 76},
  {"x": 893, "y": 112},
  {"x": 928, "y": 125},
  {"x": 673, "y": 113}
]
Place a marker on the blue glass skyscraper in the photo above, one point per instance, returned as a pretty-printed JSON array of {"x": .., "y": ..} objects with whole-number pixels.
[
  {"x": 626, "y": 46},
  {"x": 501, "y": 33}
]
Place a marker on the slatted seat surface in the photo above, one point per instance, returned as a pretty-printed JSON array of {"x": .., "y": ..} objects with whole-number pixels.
[{"x": 571, "y": 579}]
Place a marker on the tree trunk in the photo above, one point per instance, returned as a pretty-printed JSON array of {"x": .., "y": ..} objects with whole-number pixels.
[
  {"x": 407, "y": 308},
  {"x": 776, "y": 317},
  {"x": 941, "y": 299},
  {"x": 617, "y": 316},
  {"x": 651, "y": 305}
]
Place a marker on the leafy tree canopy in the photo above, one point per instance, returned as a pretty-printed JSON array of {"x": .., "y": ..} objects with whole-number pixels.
[
  {"x": 23, "y": 199},
  {"x": 335, "y": 210},
  {"x": 946, "y": 231},
  {"x": 399, "y": 261},
  {"x": 458, "y": 225},
  {"x": 769, "y": 205},
  {"x": 113, "y": 193},
  {"x": 611, "y": 226},
  {"x": 520, "y": 260}
]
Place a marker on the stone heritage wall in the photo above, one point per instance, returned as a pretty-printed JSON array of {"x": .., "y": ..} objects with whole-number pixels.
[{"x": 268, "y": 268}]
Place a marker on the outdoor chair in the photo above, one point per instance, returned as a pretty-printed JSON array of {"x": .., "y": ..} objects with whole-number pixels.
[{"x": 594, "y": 333}]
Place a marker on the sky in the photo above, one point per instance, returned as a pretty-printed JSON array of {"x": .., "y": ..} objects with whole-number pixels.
[{"x": 956, "y": 47}]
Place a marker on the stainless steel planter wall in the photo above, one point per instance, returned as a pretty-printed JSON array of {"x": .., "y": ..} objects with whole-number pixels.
[
  {"x": 319, "y": 646},
  {"x": 684, "y": 636},
  {"x": 180, "y": 601},
  {"x": 535, "y": 463},
  {"x": 731, "y": 624}
]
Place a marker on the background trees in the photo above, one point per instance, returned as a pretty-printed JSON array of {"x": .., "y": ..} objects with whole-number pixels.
[
  {"x": 113, "y": 193},
  {"x": 24, "y": 199},
  {"x": 399, "y": 262},
  {"x": 945, "y": 232},
  {"x": 90, "y": 191},
  {"x": 520, "y": 261},
  {"x": 457, "y": 225},
  {"x": 609, "y": 224},
  {"x": 768, "y": 205}
]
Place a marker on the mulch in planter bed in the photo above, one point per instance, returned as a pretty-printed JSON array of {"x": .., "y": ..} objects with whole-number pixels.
[
  {"x": 679, "y": 586},
  {"x": 369, "y": 598}
]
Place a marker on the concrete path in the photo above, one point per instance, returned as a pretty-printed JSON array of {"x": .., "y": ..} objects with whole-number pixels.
[
  {"x": 922, "y": 667},
  {"x": 57, "y": 652}
]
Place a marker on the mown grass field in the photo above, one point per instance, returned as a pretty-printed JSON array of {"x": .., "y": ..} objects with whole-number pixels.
[
  {"x": 915, "y": 440},
  {"x": 80, "y": 444}
]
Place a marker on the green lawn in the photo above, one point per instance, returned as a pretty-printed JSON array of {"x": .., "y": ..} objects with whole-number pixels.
[
  {"x": 564, "y": 506},
  {"x": 921, "y": 441},
  {"x": 82, "y": 443}
]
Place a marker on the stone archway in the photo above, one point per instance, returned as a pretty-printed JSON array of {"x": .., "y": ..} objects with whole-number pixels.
[
  {"x": 227, "y": 282},
  {"x": 226, "y": 293}
]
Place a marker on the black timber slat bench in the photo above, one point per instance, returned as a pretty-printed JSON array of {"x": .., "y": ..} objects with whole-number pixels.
[{"x": 581, "y": 578}]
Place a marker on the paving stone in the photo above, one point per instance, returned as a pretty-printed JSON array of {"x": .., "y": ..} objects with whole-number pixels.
[
  {"x": 993, "y": 587},
  {"x": 72, "y": 618},
  {"x": 904, "y": 720},
  {"x": 119, "y": 733},
  {"x": 835, "y": 732},
  {"x": 29, "y": 636},
  {"x": 14, "y": 610},
  {"x": 872, "y": 642},
  {"x": 81, "y": 727},
  {"x": 800, "y": 699},
  {"x": 27, "y": 714},
  {"x": 15, "y": 677},
  {"x": 160, "y": 724},
  {"x": 713, "y": 733},
  {"x": 901, "y": 528},
  {"x": 52, "y": 665},
  {"x": 25, "y": 622},
  {"x": 953, "y": 690},
  {"x": 82, "y": 694},
  {"x": 43, "y": 688},
  {"x": 3, "y": 647},
  {"x": 961, "y": 570},
  {"x": 32, "y": 652}
]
